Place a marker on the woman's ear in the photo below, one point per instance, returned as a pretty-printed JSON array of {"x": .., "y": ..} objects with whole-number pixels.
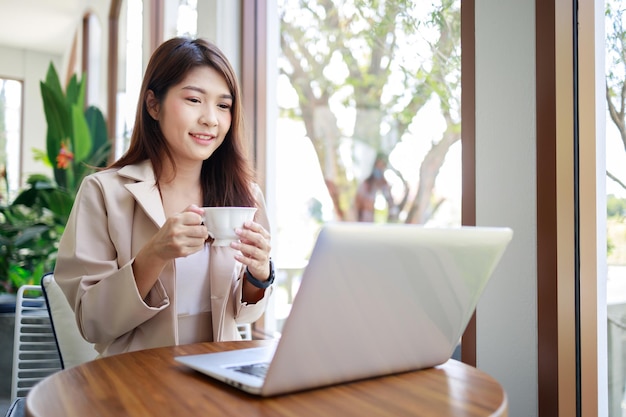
[{"x": 152, "y": 105}]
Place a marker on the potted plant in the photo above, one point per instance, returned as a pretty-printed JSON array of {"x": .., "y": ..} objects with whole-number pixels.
[
  {"x": 76, "y": 144},
  {"x": 77, "y": 139},
  {"x": 30, "y": 228}
]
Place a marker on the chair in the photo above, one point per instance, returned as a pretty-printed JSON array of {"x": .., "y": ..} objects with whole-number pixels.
[
  {"x": 245, "y": 330},
  {"x": 73, "y": 349},
  {"x": 35, "y": 354},
  {"x": 17, "y": 408}
]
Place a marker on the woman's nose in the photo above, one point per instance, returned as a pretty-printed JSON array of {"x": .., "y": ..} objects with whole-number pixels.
[{"x": 209, "y": 117}]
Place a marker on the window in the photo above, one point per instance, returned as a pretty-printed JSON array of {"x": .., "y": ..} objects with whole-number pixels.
[
  {"x": 187, "y": 19},
  {"x": 130, "y": 74},
  {"x": 369, "y": 121},
  {"x": 10, "y": 138},
  {"x": 93, "y": 58},
  {"x": 616, "y": 204}
]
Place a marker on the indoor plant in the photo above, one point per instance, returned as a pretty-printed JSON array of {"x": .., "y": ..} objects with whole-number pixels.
[
  {"x": 76, "y": 144},
  {"x": 77, "y": 140}
]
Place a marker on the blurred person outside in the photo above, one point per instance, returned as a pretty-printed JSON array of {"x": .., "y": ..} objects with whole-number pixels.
[{"x": 372, "y": 188}]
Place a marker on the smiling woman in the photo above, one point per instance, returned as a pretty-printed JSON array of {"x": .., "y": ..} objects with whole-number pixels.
[{"x": 139, "y": 222}]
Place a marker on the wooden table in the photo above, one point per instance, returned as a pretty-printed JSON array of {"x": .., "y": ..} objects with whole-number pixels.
[{"x": 151, "y": 383}]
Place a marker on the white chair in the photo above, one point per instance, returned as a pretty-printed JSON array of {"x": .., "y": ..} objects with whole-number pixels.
[
  {"x": 73, "y": 349},
  {"x": 35, "y": 354},
  {"x": 245, "y": 330},
  {"x": 17, "y": 408}
]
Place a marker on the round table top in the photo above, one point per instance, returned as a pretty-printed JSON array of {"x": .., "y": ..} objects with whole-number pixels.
[{"x": 152, "y": 383}]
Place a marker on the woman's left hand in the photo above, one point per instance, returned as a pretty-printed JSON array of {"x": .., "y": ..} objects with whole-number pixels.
[{"x": 254, "y": 249}]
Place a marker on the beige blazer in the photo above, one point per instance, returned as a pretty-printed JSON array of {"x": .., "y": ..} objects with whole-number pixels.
[{"x": 115, "y": 213}]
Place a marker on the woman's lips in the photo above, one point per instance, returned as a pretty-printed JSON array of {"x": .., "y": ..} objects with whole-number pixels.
[{"x": 202, "y": 137}]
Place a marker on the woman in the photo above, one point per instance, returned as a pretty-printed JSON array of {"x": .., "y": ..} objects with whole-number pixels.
[{"x": 135, "y": 261}]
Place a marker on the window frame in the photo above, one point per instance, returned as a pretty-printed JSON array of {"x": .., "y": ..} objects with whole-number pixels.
[{"x": 555, "y": 302}]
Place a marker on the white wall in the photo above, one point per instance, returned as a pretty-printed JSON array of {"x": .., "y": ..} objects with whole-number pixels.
[
  {"x": 220, "y": 22},
  {"x": 506, "y": 194},
  {"x": 30, "y": 67}
]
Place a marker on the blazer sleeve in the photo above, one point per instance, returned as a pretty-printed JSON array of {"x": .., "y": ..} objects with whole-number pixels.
[{"x": 99, "y": 283}]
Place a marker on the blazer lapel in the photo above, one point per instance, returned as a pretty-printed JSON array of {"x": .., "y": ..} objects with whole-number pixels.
[{"x": 144, "y": 190}]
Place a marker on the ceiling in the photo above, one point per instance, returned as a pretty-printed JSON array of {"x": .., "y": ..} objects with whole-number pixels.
[{"x": 40, "y": 25}]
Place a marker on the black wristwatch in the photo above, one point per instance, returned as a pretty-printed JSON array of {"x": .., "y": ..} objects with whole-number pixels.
[{"x": 261, "y": 284}]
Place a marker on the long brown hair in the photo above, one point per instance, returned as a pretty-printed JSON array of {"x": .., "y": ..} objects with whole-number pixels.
[{"x": 226, "y": 176}]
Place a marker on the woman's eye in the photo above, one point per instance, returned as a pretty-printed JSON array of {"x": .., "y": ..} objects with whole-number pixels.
[
  {"x": 224, "y": 106},
  {"x": 193, "y": 100}
]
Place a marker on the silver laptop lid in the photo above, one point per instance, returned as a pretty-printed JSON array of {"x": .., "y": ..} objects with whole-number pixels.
[{"x": 380, "y": 299}]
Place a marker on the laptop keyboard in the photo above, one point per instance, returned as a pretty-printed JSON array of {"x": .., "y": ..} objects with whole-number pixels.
[{"x": 255, "y": 369}]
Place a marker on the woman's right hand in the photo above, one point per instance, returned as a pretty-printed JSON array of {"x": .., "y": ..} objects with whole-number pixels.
[{"x": 181, "y": 235}]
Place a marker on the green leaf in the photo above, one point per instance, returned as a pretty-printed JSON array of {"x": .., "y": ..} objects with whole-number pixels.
[
  {"x": 30, "y": 234},
  {"x": 4, "y": 241},
  {"x": 19, "y": 276},
  {"x": 58, "y": 119},
  {"x": 97, "y": 127},
  {"x": 70, "y": 181},
  {"x": 81, "y": 144},
  {"x": 72, "y": 91},
  {"x": 35, "y": 179},
  {"x": 29, "y": 197},
  {"x": 39, "y": 155},
  {"x": 52, "y": 81},
  {"x": 59, "y": 202},
  {"x": 100, "y": 156},
  {"x": 60, "y": 177},
  {"x": 82, "y": 91}
]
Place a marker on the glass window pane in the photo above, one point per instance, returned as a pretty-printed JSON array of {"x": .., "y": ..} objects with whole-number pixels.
[
  {"x": 616, "y": 204},
  {"x": 369, "y": 120},
  {"x": 187, "y": 20},
  {"x": 10, "y": 138},
  {"x": 130, "y": 73}
]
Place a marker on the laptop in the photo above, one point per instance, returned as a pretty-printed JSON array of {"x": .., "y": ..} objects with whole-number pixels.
[{"x": 374, "y": 300}]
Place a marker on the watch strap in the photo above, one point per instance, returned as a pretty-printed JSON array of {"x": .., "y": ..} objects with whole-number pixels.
[{"x": 261, "y": 284}]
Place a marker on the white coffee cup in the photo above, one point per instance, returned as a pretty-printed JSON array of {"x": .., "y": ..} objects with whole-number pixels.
[{"x": 221, "y": 222}]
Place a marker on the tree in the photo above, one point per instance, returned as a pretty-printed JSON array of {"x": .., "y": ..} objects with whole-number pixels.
[
  {"x": 382, "y": 61},
  {"x": 615, "y": 207},
  {"x": 616, "y": 72}
]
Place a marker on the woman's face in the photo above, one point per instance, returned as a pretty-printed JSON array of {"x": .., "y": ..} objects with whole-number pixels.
[{"x": 194, "y": 115}]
